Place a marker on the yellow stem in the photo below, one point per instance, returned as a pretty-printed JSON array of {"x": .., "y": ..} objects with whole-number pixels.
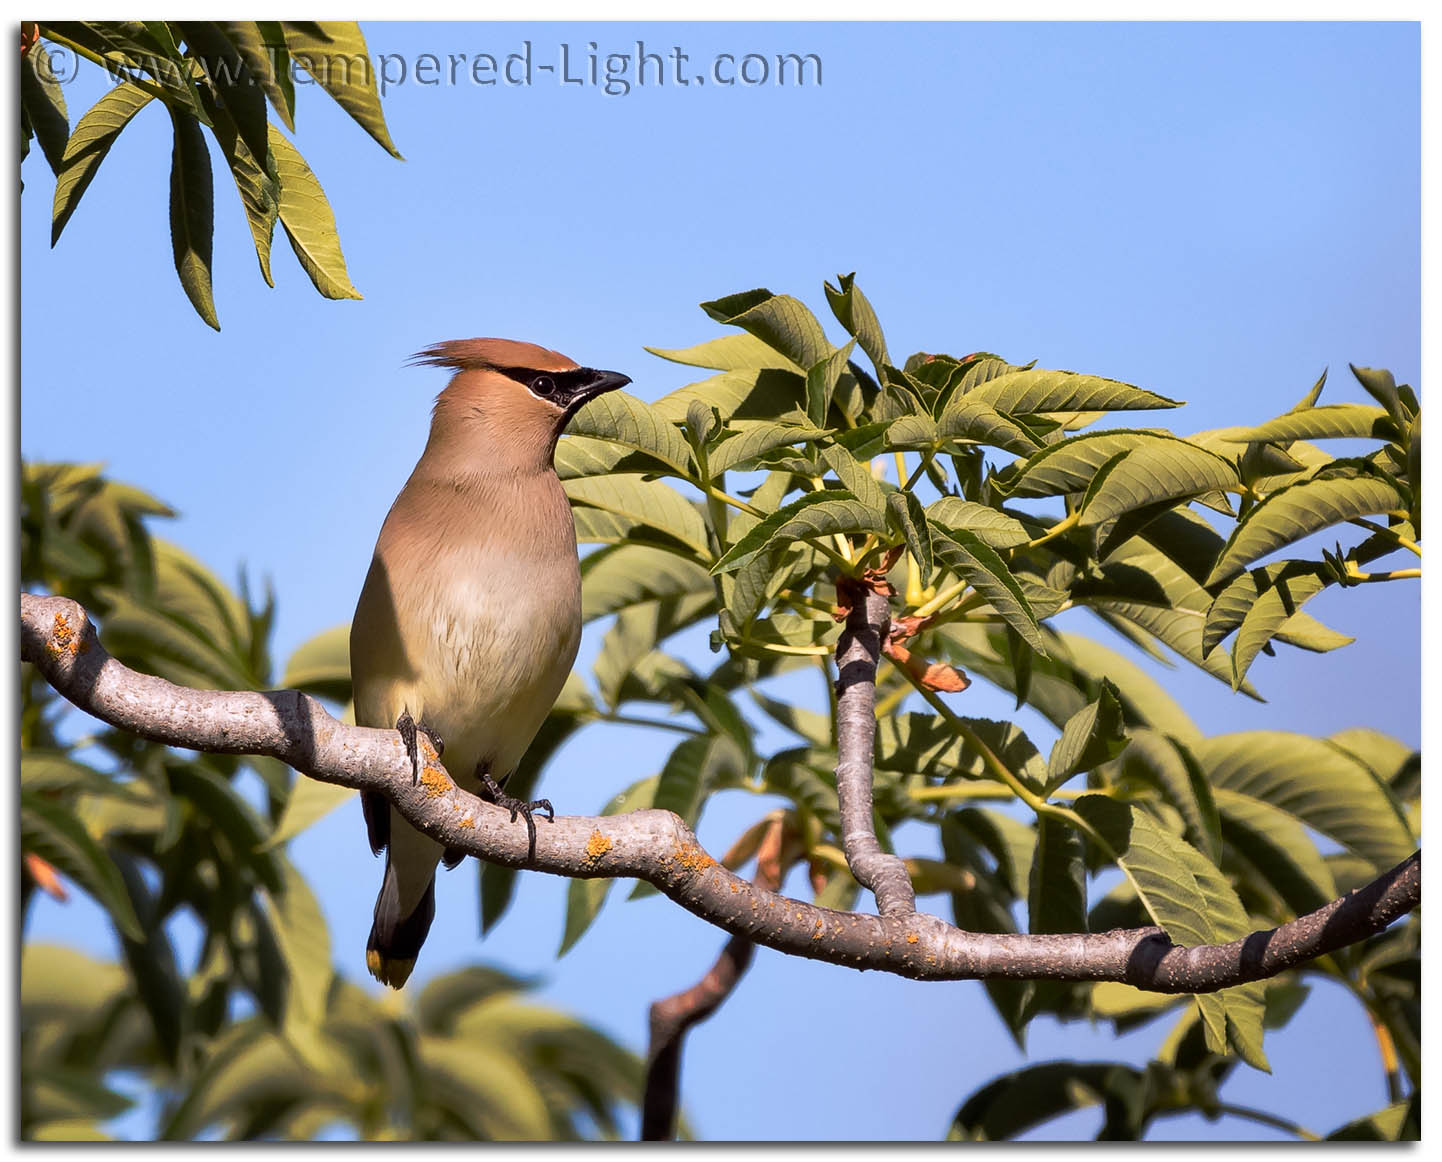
[
  {"x": 1402, "y": 542},
  {"x": 1067, "y": 522}
]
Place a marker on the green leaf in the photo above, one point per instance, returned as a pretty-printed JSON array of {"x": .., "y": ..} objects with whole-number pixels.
[
  {"x": 624, "y": 575},
  {"x": 905, "y": 514},
  {"x": 262, "y": 45},
  {"x": 739, "y": 448},
  {"x": 1057, "y": 899},
  {"x": 1092, "y": 736},
  {"x": 1320, "y": 786},
  {"x": 585, "y": 897},
  {"x": 1265, "y": 603},
  {"x": 821, "y": 382},
  {"x": 42, "y": 100},
  {"x": 1275, "y": 843},
  {"x": 817, "y": 514},
  {"x": 1167, "y": 763},
  {"x": 1380, "y": 385},
  {"x": 1070, "y": 465},
  {"x": 741, "y": 352},
  {"x": 854, "y": 312},
  {"x": 304, "y": 939},
  {"x": 1186, "y": 894},
  {"x": 767, "y": 394},
  {"x": 1338, "y": 421},
  {"x": 913, "y": 431},
  {"x": 1017, "y": 1102},
  {"x": 53, "y": 833},
  {"x": 230, "y": 817},
  {"x": 651, "y": 505},
  {"x": 779, "y": 321},
  {"x": 855, "y": 476},
  {"x": 192, "y": 214},
  {"x": 1038, "y": 390},
  {"x": 623, "y": 419},
  {"x": 993, "y": 527},
  {"x": 310, "y": 801},
  {"x": 1153, "y": 473},
  {"x": 967, "y": 417},
  {"x": 968, "y": 556},
  {"x": 697, "y": 767},
  {"x": 321, "y": 665},
  {"x": 1296, "y": 511},
  {"x": 308, "y": 222},
  {"x": 339, "y": 60}
]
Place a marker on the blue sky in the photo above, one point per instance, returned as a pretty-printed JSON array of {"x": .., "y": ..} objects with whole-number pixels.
[{"x": 1213, "y": 211}]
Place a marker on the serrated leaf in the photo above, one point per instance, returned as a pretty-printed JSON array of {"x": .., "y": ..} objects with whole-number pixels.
[
  {"x": 192, "y": 214},
  {"x": 1092, "y": 736},
  {"x": 993, "y": 527},
  {"x": 652, "y": 504},
  {"x": 855, "y": 476},
  {"x": 1186, "y": 894},
  {"x": 913, "y": 431},
  {"x": 905, "y": 514},
  {"x": 780, "y": 321},
  {"x": 817, "y": 514},
  {"x": 821, "y": 382},
  {"x": 854, "y": 312},
  {"x": 1314, "y": 782},
  {"x": 967, "y": 417},
  {"x": 967, "y": 555},
  {"x": 620, "y": 418},
  {"x": 1338, "y": 421},
  {"x": 745, "y": 445},
  {"x": 1070, "y": 465},
  {"x": 1038, "y": 390},
  {"x": 308, "y": 221},
  {"x": 1265, "y": 603},
  {"x": 334, "y": 53},
  {"x": 1298, "y": 510},
  {"x": 1169, "y": 765},
  {"x": 1153, "y": 473},
  {"x": 52, "y": 831},
  {"x": 740, "y": 352}
]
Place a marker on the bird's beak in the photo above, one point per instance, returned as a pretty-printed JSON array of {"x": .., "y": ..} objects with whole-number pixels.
[{"x": 604, "y": 381}]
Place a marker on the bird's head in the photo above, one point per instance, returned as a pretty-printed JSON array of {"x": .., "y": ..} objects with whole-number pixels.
[{"x": 512, "y": 398}]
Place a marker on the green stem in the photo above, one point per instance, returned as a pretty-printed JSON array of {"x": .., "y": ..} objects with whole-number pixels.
[
  {"x": 637, "y": 720},
  {"x": 1262, "y": 1118},
  {"x": 1066, "y": 523}
]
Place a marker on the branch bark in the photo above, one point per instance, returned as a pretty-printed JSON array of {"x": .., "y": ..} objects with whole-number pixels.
[
  {"x": 656, "y": 846},
  {"x": 857, "y": 652}
]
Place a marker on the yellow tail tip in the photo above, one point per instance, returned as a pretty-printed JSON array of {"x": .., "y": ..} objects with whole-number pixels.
[{"x": 394, "y": 973}]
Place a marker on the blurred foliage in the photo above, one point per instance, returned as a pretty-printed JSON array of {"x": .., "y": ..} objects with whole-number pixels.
[
  {"x": 215, "y": 76},
  {"x": 260, "y": 1037}
]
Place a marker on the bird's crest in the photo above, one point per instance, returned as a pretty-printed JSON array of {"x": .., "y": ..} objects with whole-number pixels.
[{"x": 492, "y": 354}]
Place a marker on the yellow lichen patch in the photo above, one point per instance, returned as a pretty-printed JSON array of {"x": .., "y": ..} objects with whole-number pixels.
[
  {"x": 597, "y": 846},
  {"x": 912, "y": 938},
  {"x": 435, "y": 783},
  {"x": 820, "y": 930},
  {"x": 691, "y": 857},
  {"x": 735, "y": 887},
  {"x": 467, "y": 821},
  {"x": 63, "y": 639}
]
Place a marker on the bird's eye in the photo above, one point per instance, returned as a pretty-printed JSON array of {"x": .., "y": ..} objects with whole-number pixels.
[{"x": 543, "y": 385}]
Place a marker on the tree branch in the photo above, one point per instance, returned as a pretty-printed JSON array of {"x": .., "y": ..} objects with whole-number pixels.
[
  {"x": 857, "y": 652},
  {"x": 656, "y": 846},
  {"x": 672, "y": 1017}
]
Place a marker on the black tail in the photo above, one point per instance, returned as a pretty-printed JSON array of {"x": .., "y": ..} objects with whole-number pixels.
[{"x": 396, "y": 940}]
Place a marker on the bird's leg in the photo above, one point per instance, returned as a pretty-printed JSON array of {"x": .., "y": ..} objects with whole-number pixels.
[
  {"x": 491, "y": 791},
  {"x": 409, "y": 731}
]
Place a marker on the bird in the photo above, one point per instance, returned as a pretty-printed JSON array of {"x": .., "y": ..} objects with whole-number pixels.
[{"x": 470, "y": 614}]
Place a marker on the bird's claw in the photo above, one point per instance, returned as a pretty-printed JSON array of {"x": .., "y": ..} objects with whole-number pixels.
[
  {"x": 410, "y": 735},
  {"x": 522, "y": 807}
]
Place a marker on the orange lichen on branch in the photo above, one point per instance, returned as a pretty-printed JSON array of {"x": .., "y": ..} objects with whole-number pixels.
[
  {"x": 691, "y": 857},
  {"x": 64, "y": 640},
  {"x": 597, "y": 846},
  {"x": 435, "y": 783}
]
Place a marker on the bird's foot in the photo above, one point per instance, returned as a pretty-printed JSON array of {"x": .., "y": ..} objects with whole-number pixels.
[
  {"x": 491, "y": 791},
  {"x": 410, "y": 732}
]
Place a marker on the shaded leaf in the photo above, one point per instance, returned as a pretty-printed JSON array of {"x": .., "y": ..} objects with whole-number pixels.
[{"x": 308, "y": 221}]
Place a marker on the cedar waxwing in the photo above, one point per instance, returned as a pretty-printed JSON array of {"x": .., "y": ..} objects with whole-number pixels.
[{"x": 470, "y": 616}]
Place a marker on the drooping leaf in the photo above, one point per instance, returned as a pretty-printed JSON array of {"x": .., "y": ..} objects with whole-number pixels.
[
  {"x": 42, "y": 103},
  {"x": 192, "y": 214},
  {"x": 1169, "y": 765},
  {"x": 1275, "y": 843},
  {"x": 584, "y": 897},
  {"x": 334, "y": 53},
  {"x": 906, "y": 516},
  {"x": 1092, "y": 736},
  {"x": 821, "y": 382},
  {"x": 967, "y": 555},
  {"x": 308, "y": 221},
  {"x": 1291, "y": 513},
  {"x": 1057, "y": 898}
]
